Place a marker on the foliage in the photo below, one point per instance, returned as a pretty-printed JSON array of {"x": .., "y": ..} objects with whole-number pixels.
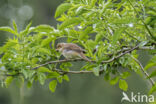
[{"x": 110, "y": 27}]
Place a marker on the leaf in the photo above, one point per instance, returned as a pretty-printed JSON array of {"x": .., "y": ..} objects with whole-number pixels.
[
  {"x": 125, "y": 75},
  {"x": 71, "y": 21},
  {"x": 65, "y": 77},
  {"x": 143, "y": 43},
  {"x": 29, "y": 84},
  {"x": 8, "y": 81},
  {"x": 62, "y": 8},
  {"x": 52, "y": 85},
  {"x": 153, "y": 74},
  {"x": 93, "y": 2},
  {"x": 59, "y": 79},
  {"x": 98, "y": 37},
  {"x": 114, "y": 80},
  {"x": 107, "y": 77},
  {"x": 53, "y": 75},
  {"x": 41, "y": 78},
  {"x": 15, "y": 26},
  {"x": 96, "y": 70},
  {"x": 149, "y": 66},
  {"x": 8, "y": 29},
  {"x": 153, "y": 89},
  {"x": 91, "y": 44},
  {"x": 44, "y": 51},
  {"x": 28, "y": 73},
  {"x": 151, "y": 63},
  {"x": 19, "y": 81},
  {"x": 46, "y": 42},
  {"x": 116, "y": 36},
  {"x": 80, "y": 10},
  {"x": 26, "y": 31},
  {"x": 44, "y": 69},
  {"x": 42, "y": 28},
  {"x": 123, "y": 85}
]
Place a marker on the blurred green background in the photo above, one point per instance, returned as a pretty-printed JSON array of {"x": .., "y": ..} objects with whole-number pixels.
[{"x": 82, "y": 88}]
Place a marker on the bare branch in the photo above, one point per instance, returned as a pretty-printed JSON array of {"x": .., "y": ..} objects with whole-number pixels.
[
  {"x": 142, "y": 69},
  {"x": 75, "y": 72},
  {"x": 73, "y": 60}
]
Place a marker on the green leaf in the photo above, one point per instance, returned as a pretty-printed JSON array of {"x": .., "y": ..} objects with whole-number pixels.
[
  {"x": 143, "y": 43},
  {"x": 71, "y": 21},
  {"x": 8, "y": 29},
  {"x": 91, "y": 44},
  {"x": 79, "y": 10},
  {"x": 125, "y": 75},
  {"x": 53, "y": 75},
  {"x": 41, "y": 78},
  {"x": 65, "y": 77},
  {"x": 123, "y": 85},
  {"x": 107, "y": 77},
  {"x": 149, "y": 66},
  {"x": 26, "y": 31},
  {"x": 62, "y": 8},
  {"x": 44, "y": 51},
  {"x": 15, "y": 26},
  {"x": 93, "y": 2},
  {"x": 96, "y": 70},
  {"x": 19, "y": 81},
  {"x": 52, "y": 85},
  {"x": 152, "y": 90},
  {"x": 8, "y": 81},
  {"x": 116, "y": 36},
  {"x": 151, "y": 63},
  {"x": 28, "y": 73},
  {"x": 44, "y": 69},
  {"x": 29, "y": 84},
  {"x": 114, "y": 80},
  {"x": 98, "y": 37},
  {"x": 42, "y": 28},
  {"x": 60, "y": 79},
  {"x": 153, "y": 74},
  {"x": 46, "y": 42}
]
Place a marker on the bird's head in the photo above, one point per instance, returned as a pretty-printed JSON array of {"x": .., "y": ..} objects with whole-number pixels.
[{"x": 60, "y": 47}]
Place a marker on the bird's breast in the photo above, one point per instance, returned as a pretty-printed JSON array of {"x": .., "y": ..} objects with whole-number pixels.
[{"x": 69, "y": 54}]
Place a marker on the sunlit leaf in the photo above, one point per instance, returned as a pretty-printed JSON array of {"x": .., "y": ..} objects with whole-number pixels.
[
  {"x": 123, "y": 85},
  {"x": 52, "y": 85},
  {"x": 8, "y": 81},
  {"x": 62, "y": 8},
  {"x": 96, "y": 70},
  {"x": 41, "y": 78},
  {"x": 114, "y": 80},
  {"x": 8, "y": 29},
  {"x": 68, "y": 22}
]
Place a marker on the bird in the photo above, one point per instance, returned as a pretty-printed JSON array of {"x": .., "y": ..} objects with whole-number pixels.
[{"x": 71, "y": 51}]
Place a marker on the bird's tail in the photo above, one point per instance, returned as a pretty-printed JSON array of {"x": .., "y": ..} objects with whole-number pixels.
[{"x": 85, "y": 58}]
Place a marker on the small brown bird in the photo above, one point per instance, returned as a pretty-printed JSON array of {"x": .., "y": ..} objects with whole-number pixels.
[{"x": 71, "y": 51}]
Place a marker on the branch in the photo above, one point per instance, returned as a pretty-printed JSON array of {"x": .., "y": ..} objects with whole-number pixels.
[
  {"x": 73, "y": 60},
  {"x": 142, "y": 69},
  {"x": 75, "y": 72}
]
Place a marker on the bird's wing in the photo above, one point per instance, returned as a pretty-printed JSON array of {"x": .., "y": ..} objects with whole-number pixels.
[{"x": 74, "y": 47}]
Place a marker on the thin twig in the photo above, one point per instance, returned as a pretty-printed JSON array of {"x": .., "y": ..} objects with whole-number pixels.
[{"x": 142, "y": 69}]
